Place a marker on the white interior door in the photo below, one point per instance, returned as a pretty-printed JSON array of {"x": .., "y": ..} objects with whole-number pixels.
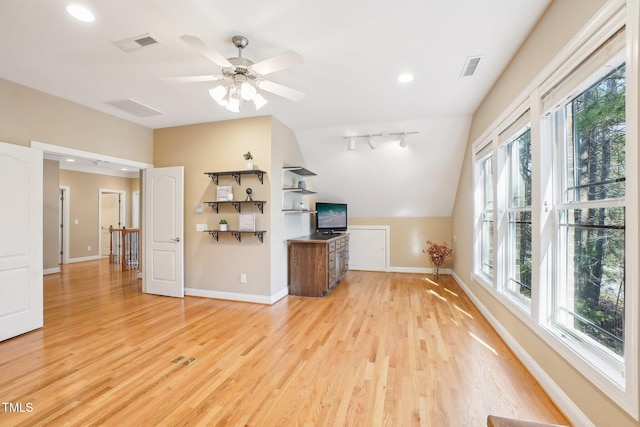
[
  {"x": 21, "y": 306},
  {"x": 163, "y": 226}
]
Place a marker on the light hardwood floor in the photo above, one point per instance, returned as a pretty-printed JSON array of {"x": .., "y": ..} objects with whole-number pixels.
[{"x": 383, "y": 349}]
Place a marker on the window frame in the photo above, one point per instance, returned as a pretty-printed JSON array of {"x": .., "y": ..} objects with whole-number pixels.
[{"x": 509, "y": 209}]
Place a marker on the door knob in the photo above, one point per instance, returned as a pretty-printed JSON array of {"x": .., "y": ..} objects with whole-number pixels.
[{"x": 177, "y": 239}]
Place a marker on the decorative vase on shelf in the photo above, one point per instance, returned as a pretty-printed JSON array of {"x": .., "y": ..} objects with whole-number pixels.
[
  {"x": 249, "y": 165},
  {"x": 223, "y": 227}
]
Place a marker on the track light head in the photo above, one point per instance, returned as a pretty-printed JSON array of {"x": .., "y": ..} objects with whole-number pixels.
[
  {"x": 352, "y": 143},
  {"x": 372, "y": 142},
  {"x": 404, "y": 140}
]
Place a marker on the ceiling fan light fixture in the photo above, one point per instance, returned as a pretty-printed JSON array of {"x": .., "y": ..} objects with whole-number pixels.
[
  {"x": 247, "y": 91},
  {"x": 218, "y": 93},
  {"x": 259, "y": 101},
  {"x": 234, "y": 103}
]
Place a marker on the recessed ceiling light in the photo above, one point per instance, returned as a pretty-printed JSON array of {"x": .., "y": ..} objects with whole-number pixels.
[
  {"x": 405, "y": 78},
  {"x": 124, "y": 169},
  {"x": 81, "y": 13},
  {"x": 70, "y": 160}
]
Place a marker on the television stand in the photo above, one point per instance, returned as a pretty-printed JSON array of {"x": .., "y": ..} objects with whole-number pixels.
[{"x": 317, "y": 263}]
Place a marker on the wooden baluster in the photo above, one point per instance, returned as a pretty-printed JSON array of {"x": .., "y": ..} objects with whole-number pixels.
[
  {"x": 124, "y": 248},
  {"x": 110, "y": 244}
]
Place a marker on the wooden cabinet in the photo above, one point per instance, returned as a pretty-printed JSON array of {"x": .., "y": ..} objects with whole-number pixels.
[{"x": 317, "y": 263}]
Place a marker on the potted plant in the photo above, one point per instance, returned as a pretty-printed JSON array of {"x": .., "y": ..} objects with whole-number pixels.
[
  {"x": 438, "y": 255},
  {"x": 248, "y": 157},
  {"x": 223, "y": 224}
]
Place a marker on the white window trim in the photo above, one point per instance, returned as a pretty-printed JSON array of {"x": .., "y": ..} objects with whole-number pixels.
[{"x": 623, "y": 391}]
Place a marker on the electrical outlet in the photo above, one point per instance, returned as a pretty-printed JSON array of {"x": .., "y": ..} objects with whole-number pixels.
[
  {"x": 201, "y": 227},
  {"x": 243, "y": 278},
  {"x": 88, "y": 248}
]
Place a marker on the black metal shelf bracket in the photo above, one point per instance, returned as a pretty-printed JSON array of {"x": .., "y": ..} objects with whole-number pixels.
[
  {"x": 238, "y": 205},
  {"x": 237, "y": 175},
  {"x": 237, "y": 234}
]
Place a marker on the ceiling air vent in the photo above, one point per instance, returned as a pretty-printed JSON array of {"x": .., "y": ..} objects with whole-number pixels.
[
  {"x": 135, "y": 108},
  {"x": 133, "y": 43},
  {"x": 470, "y": 66}
]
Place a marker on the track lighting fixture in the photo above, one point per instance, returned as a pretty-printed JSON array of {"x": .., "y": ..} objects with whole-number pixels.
[{"x": 373, "y": 143}]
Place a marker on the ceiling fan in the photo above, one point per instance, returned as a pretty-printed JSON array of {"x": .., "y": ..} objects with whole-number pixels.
[{"x": 241, "y": 78}]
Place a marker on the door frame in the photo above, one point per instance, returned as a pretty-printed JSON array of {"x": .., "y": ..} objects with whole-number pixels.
[
  {"x": 66, "y": 151},
  {"x": 64, "y": 222}
]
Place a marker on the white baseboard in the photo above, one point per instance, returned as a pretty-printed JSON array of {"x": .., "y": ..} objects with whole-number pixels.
[
  {"x": 365, "y": 268},
  {"x": 83, "y": 259},
  {"x": 566, "y": 405},
  {"x": 232, "y": 296},
  {"x": 420, "y": 270},
  {"x": 53, "y": 270}
]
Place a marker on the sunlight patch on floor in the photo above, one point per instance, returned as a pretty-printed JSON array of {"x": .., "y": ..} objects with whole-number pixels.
[{"x": 475, "y": 337}]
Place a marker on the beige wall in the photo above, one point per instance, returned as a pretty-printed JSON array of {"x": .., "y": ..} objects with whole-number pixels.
[
  {"x": 84, "y": 196},
  {"x": 50, "y": 220},
  {"x": 29, "y": 115},
  {"x": 408, "y": 238},
  {"x": 210, "y": 265},
  {"x": 213, "y": 268},
  {"x": 562, "y": 20},
  {"x": 285, "y": 151}
]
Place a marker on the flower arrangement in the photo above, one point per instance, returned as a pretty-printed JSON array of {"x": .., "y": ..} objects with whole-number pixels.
[
  {"x": 438, "y": 254},
  {"x": 223, "y": 221},
  {"x": 247, "y": 155}
]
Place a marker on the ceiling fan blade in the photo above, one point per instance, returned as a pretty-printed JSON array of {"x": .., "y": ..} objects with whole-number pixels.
[
  {"x": 191, "y": 79},
  {"x": 277, "y": 63},
  {"x": 283, "y": 91},
  {"x": 206, "y": 50}
]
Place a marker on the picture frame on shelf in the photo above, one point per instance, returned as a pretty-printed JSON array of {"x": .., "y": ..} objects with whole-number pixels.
[
  {"x": 247, "y": 222},
  {"x": 223, "y": 192}
]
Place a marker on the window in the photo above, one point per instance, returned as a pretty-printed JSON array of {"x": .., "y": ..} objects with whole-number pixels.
[
  {"x": 518, "y": 206},
  {"x": 589, "y": 290},
  {"x": 557, "y": 202},
  {"x": 486, "y": 214}
]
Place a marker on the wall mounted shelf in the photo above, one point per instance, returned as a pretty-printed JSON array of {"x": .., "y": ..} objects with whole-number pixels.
[
  {"x": 290, "y": 203},
  {"x": 238, "y": 234},
  {"x": 298, "y": 190},
  {"x": 297, "y": 211},
  {"x": 237, "y": 175},
  {"x": 237, "y": 204},
  {"x": 299, "y": 170}
]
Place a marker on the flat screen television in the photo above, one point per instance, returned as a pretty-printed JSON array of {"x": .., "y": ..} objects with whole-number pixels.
[{"x": 331, "y": 217}]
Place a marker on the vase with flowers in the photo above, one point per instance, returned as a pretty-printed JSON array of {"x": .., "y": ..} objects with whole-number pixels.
[{"x": 438, "y": 254}]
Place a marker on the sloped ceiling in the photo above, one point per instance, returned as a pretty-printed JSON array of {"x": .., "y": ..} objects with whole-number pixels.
[{"x": 353, "y": 52}]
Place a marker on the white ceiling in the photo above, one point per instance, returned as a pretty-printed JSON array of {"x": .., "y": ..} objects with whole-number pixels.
[{"x": 353, "y": 52}]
